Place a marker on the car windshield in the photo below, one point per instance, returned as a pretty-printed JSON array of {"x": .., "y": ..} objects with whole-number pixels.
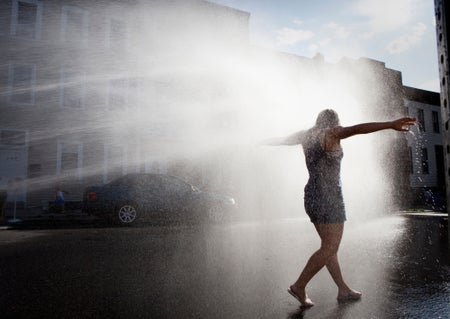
[
  {"x": 125, "y": 180},
  {"x": 165, "y": 182},
  {"x": 172, "y": 183}
]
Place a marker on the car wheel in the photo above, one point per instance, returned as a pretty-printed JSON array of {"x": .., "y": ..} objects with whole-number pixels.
[{"x": 126, "y": 214}]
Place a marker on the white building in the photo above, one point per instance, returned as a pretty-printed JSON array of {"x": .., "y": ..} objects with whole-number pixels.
[
  {"x": 85, "y": 94},
  {"x": 92, "y": 90}
]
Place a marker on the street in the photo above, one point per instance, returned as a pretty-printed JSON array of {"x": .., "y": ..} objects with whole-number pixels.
[{"x": 239, "y": 270}]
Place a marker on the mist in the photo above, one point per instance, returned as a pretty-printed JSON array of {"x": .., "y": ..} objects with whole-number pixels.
[{"x": 178, "y": 89}]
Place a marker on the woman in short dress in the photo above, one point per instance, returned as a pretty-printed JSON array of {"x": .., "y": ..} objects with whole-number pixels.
[{"x": 323, "y": 199}]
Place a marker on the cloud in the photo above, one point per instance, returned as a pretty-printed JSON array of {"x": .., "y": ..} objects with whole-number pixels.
[
  {"x": 313, "y": 48},
  {"x": 297, "y": 22},
  {"x": 288, "y": 36},
  {"x": 408, "y": 41},
  {"x": 339, "y": 31},
  {"x": 388, "y": 15}
]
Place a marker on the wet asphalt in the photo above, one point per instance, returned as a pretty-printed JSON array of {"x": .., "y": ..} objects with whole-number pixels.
[{"x": 236, "y": 270}]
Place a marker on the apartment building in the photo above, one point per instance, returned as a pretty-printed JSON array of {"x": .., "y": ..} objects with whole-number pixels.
[
  {"x": 425, "y": 142},
  {"x": 91, "y": 90},
  {"x": 81, "y": 90}
]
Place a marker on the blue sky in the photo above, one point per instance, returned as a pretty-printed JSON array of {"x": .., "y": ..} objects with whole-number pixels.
[{"x": 401, "y": 33}]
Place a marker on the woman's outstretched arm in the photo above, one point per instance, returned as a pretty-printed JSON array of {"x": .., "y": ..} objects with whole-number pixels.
[
  {"x": 293, "y": 139},
  {"x": 365, "y": 128}
]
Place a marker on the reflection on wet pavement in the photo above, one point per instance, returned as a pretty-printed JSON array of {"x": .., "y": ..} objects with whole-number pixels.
[
  {"x": 420, "y": 275},
  {"x": 225, "y": 271}
]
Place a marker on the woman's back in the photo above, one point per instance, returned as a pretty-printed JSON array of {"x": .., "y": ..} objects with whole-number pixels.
[{"x": 323, "y": 165}]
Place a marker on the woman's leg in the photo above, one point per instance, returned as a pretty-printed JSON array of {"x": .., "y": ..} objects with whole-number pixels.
[
  {"x": 335, "y": 271},
  {"x": 330, "y": 235},
  {"x": 345, "y": 292}
]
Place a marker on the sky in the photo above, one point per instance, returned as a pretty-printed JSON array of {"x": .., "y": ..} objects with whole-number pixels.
[{"x": 400, "y": 33}]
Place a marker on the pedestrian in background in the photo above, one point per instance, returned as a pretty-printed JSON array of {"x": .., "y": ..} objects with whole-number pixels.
[{"x": 59, "y": 200}]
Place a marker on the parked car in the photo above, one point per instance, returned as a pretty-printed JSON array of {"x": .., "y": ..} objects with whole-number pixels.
[{"x": 135, "y": 197}]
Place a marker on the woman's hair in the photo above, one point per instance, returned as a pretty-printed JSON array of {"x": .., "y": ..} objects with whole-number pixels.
[{"x": 327, "y": 118}]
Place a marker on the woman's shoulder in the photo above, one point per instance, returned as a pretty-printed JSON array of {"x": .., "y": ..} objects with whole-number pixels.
[
  {"x": 313, "y": 135},
  {"x": 316, "y": 132},
  {"x": 335, "y": 130},
  {"x": 325, "y": 138}
]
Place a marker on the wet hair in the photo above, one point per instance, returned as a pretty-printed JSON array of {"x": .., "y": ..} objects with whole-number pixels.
[{"x": 327, "y": 118}]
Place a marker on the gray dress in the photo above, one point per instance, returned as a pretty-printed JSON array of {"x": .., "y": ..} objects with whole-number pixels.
[{"x": 324, "y": 203}]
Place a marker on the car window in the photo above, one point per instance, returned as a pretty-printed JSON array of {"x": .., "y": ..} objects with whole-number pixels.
[
  {"x": 152, "y": 184},
  {"x": 133, "y": 180},
  {"x": 175, "y": 185},
  {"x": 125, "y": 180}
]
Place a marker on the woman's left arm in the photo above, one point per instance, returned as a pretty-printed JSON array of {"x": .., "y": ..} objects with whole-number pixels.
[{"x": 400, "y": 124}]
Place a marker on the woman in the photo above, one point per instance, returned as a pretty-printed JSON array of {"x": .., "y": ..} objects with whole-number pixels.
[{"x": 323, "y": 194}]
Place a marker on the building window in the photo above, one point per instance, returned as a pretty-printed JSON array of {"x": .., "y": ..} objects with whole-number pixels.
[
  {"x": 69, "y": 159},
  {"x": 117, "y": 34},
  {"x": 435, "y": 122},
  {"x": 155, "y": 166},
  {"x": 26, "y": 19},
  {"x": 411, "y": 161},
  {"x": 13, "y": 162},
  {"x": 13, "y": 138},
  {"x": 73, "y": 90},
  {"x": 421, "y": 119},
  {"x": 118, "y": 94},
  {"x": 34, "y": 170},
  {"x": 21, "y": 82},
  {"x": 115, "y": 162},
  {"x": 74, "y": 24},
  {"x": 424, "y": 160}
]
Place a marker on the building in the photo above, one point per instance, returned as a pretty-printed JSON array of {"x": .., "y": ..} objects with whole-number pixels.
[
  {"x": 82, "y": 90},
  {"x": 425, "y": 143},
  {"x": 92, "y": 90}
]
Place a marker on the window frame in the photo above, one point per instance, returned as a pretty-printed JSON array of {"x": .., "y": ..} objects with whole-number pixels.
[
  {"x": 421, "y": 119},
  {"x": 85, "y": 23},
  {"x": 15, "y": 17},
  {"x": 411, "y": 160},
  {"x": 113, "y": 90},
  {"x": 436, "y": 122},
  {"x": 60, "y": 152},
  {"x": 109, "y": 43},
  {"x": 11, "y": 73},
  {"x": 64, "y": 85},
  {"x": 424, "y": 160},
  {"x": 106, "y": 157}
]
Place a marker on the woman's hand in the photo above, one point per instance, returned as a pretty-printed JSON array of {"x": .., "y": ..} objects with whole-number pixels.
[{"x": 403, "y": 124}]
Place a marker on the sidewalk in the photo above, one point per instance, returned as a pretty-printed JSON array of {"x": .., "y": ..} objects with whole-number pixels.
[
  {"x": 425, "y": 213},
  {"x": 37, "y": 215}
]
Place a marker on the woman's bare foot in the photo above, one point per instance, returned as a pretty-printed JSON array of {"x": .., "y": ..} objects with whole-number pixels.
[
  {"x": 348, "y": 295},
  {"x": 301, "y": 296}
]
